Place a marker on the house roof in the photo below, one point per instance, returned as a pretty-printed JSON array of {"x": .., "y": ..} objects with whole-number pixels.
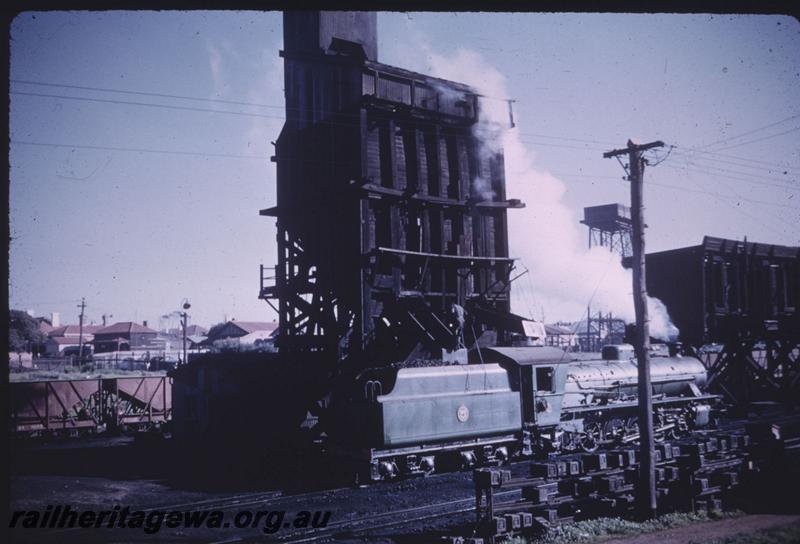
[
  {"x": 195, "y": 330},
  {"x": 45, "y": 327},
  {"x": 67, "y": 340},
  {"x": 195, "y": 338},
  {"x": 556, "y": 330},
  {"x": 74, "y": 330},
  {"x": 253, "y": 326},
  {"x": 255, "y": 335},
  {"x": 579, "y": 327},
  {"x": 124, "y": 327}
]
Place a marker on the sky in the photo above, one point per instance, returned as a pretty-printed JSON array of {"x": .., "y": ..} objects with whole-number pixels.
[{"x": 140, "y": 146}]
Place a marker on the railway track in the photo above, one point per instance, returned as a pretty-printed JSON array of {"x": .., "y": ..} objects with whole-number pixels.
[
  {"x": 510, "y": 494},
  {"x": 385, "y": 520},
  {"x": 705, "y": 471},
  {"x": 397, "y": 518},
  {"x": 228, "y": 503}
]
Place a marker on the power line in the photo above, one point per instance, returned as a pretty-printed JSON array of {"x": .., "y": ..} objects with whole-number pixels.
[
  {"x": 795, "y": 129},
  {"x": 759, "y": 129},
  {"x": 756, "y": 219},
  {"x": 146, "y": 104},
  {"x": 700, "y": 157},
  {"x": 242, "y": 103},
  {"x": 601, "y": 142},
  {"x": 354, "y": 117},
  {"x": 699, "y": 170},
  {"x": 143, "y": 93},
  {"x": 231, "y": 102},
  {"x": 565, "y": 146},
  {"x": 735, "y": 192},
  {"x": 252, "y": 104},
  {"x": 565, "y": 174},
  {"x": 184, "y": 108},
  {"x": 137, "y": 150},
  {"x": 257, "y": 157},
  {"x": 662, "y": 159},
  {"x": 741, "y": 210},
  {"x": 244, "y": 114},
  {"x": 772, "y": 216},
  {"x": 736, "y": 157},
  {"x": 720, "y": 195},
  {"x": 741, "y": 176}
]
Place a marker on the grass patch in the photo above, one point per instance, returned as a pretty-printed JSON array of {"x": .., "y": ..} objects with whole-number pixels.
[
  {"x": 604, "y": 528},
  {"x": 786, "y": 534}
]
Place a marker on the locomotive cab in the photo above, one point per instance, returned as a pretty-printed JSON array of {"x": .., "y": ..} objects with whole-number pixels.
[{"x": 539, "y": 374}]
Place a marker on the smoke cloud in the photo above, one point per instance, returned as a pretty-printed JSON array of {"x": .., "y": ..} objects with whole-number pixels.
[{"x": 565, "y": 276}]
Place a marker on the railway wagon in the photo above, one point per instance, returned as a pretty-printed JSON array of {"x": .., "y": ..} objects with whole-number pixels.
[
  {"x": 518, "y": 401},
  {"x": 89, "y": 406}
]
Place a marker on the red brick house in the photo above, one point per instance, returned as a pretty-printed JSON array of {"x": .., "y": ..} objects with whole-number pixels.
[{"x": 124, "y": 336}]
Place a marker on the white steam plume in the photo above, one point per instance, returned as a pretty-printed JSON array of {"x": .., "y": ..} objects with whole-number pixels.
[{"x": 546, "y": 234}]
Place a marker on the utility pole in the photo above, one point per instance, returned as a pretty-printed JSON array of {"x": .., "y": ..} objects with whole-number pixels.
[
  {"x": 184, "y": 323},
  {"x": 184, "y": 317},
  {"x": 647, "y": 468},
  {"x": 588, "y": 329},
  {"x": 82, "y": 306}
]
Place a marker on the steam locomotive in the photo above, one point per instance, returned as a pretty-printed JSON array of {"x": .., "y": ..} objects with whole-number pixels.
[{"x": 514, "y": 401}]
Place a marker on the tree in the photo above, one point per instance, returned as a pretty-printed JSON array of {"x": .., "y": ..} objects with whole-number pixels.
[{"x": 23, "y": 332}]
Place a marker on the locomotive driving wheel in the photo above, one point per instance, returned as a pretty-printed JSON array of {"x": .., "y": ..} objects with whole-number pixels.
[
  {"x": 632, "y": 429},
  {"x": 567, "y": 442},
  {"x": 614, "y": 430},
  {"x": 592, "y": 437},
  {"x": 681, "y": 427}
]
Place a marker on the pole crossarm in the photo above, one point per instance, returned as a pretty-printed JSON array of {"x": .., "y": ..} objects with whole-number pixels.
[{"x": 632, "y": 147}]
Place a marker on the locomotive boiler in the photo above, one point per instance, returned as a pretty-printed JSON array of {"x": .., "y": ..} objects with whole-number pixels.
[{"x": 512, "y": 402}]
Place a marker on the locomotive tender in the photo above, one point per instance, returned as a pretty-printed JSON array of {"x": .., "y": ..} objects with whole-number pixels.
[{"x": 517, "y": 401}]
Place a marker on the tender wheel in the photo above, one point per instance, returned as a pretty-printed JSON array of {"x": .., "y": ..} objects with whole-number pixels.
[{"x": 427, "y": 465}]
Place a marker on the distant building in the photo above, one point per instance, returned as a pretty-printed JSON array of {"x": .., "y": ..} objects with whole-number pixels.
[
  {"x": 237, "y": 329},
  {"x": 45, "y": 325},
  {"x": 195, "y": 330},
  {"x": 124, "y": 336},
  {"x": 194, "y": 341},
  {"x": 65, "y": 340},
  {"x": 191, "y": 330},
  {"x": 63, "y": 346},
  {"x": 74, "y": 331},
  {"x": 242, "y": 333},
  {"x": 560, "y": 337},
  {"x": 600, "y": 332}
]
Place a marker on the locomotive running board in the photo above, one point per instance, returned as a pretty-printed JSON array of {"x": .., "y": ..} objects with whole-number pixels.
[{"x": 633, "y": 404}]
